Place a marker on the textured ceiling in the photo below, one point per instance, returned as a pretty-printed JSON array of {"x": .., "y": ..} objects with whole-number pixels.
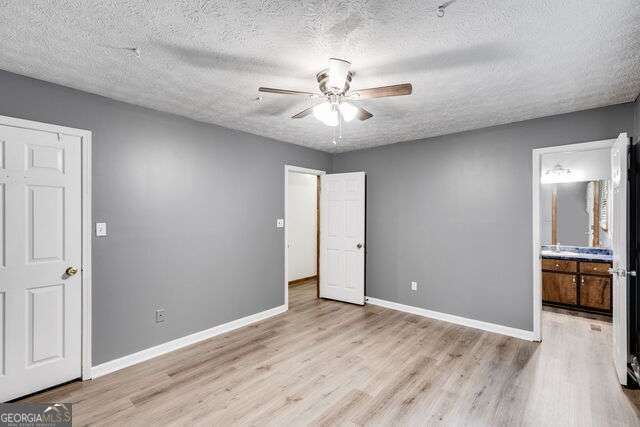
[{"x": 484, "y": 63}]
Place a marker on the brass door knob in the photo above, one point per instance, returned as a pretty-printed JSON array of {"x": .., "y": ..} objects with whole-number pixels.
[{"x": 71, "y": 271}]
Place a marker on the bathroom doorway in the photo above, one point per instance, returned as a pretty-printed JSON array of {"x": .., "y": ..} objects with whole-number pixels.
[{"x": 579, "y": 241}]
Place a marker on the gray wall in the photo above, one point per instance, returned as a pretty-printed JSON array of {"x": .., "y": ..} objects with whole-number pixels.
[
  {"x": 191, "y": 212},
  {"x": 191, "y": 208},
  {"x": 455, "y": 214}
]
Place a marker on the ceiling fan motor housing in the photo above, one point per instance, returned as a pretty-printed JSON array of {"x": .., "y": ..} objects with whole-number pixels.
[{"x": 323, "y": 83}]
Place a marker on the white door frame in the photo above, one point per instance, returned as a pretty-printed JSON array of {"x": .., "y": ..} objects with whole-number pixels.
[
  {"x": 293, "y": 169},
  {"x": 85, "y": 138},
  {"x": 537, "y": 264}
]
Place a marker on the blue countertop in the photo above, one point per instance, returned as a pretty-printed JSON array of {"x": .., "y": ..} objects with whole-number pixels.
[{"x": 577, "y": 253}]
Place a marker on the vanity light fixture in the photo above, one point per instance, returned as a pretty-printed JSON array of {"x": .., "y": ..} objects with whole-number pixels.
[
  {"x": 558, "y": 171},
  {"x": 558, "y": 174}
]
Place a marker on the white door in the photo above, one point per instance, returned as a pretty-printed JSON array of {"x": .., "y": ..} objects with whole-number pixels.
[
  {"x": 342, "y": 207},
  {"x": 619, "y": 246},
  {"x": 40, "y": 232}
]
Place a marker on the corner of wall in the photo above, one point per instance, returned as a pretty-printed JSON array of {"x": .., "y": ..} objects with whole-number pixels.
[
  {"x": 636, "y": 120},
  {"x": 332, "y": 162}
]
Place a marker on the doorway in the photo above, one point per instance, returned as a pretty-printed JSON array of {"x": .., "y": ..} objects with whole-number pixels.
[
  {"x": 579, "y": 237},
  {"x": 340, "y": 234},
  {"x": 302, "y": 229}
]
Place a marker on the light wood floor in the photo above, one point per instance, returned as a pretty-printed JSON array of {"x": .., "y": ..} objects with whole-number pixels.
[{"x": 328, "y": 363}]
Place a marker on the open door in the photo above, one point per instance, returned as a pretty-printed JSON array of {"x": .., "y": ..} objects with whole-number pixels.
[
  {"x": 618, "y": 213},
  {"x": 342, "y": 232},
  {"x": 634, "y": 260}
]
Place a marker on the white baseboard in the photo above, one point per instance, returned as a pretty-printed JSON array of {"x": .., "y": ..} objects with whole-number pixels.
[
  {"x": 150, "y": 353},
  {"x": 485, "y": 326}
]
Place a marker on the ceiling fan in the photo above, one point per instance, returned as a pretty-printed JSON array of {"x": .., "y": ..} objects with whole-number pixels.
[{"x": 335, "y": 88}]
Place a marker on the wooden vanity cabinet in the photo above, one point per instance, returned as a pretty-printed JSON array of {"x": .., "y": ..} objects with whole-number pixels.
[
  {"x": 559, "y": 288},
  {"x": 595, "y": 292},
  {"x": 595, "y": 268},
  {"x": 560, "y": 265},
  {"x": 583, "y": 285}
]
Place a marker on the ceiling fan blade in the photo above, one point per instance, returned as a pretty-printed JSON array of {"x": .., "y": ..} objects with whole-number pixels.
[
  {"x": 383, "y": 91},
  {"x": 284, "y": 91},
  {"x": 303, "y": 113},
  {"x": 363, "y": 114}
]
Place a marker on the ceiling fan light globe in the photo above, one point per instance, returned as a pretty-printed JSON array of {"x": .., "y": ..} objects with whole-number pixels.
[
  {"x": 331, "y": 119},
  {"x": 321, "y": 111},
  {"x": 326, "y": 113},
  {"x": 348, "y": 111}
]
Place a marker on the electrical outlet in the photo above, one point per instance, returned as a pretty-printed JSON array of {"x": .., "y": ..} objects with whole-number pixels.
[
  {"x": 161, "y": 315},
  {"x": 414, "y": 286},
  {"x": 280, "y": 222}
]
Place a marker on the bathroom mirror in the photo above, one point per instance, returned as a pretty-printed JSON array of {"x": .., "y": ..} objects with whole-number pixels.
[{"x": 576, "y": 213}]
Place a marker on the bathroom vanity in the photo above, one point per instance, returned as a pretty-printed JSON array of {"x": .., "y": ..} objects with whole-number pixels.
[{"x": 577, "y": 278}]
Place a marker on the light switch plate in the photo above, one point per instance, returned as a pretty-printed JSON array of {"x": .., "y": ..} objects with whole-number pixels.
[
  {"x": 414, "y": 286},
  {"x": 101, "y": 229},
  {"x": 280, "y": 222}
]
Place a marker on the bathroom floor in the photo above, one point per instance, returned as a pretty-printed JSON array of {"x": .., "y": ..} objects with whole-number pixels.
[{"x": 576, "y": 313}]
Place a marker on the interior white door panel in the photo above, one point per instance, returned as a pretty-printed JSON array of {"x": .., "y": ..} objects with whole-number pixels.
[
  {"x": 40, "y": 237},
  {"x": 342, "y": 234},
  {"x": 618, "y": 225}
]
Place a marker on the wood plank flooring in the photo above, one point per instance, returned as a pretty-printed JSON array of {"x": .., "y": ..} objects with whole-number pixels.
[{"x": 329, "y": 363}]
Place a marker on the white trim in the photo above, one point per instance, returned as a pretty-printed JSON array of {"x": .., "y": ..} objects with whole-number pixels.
[
  {"x": 85, "y": 138},
  {"x": 159, "y": 350},
  {"x": 458, "y": 320},
  {"x": 87, "y": 236},
  {"x": 46, "y": 127},
  {"x": 536, "y": 159},
  {"x": 293, "y": 169},
  {"x": 537, "y": 265}
]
